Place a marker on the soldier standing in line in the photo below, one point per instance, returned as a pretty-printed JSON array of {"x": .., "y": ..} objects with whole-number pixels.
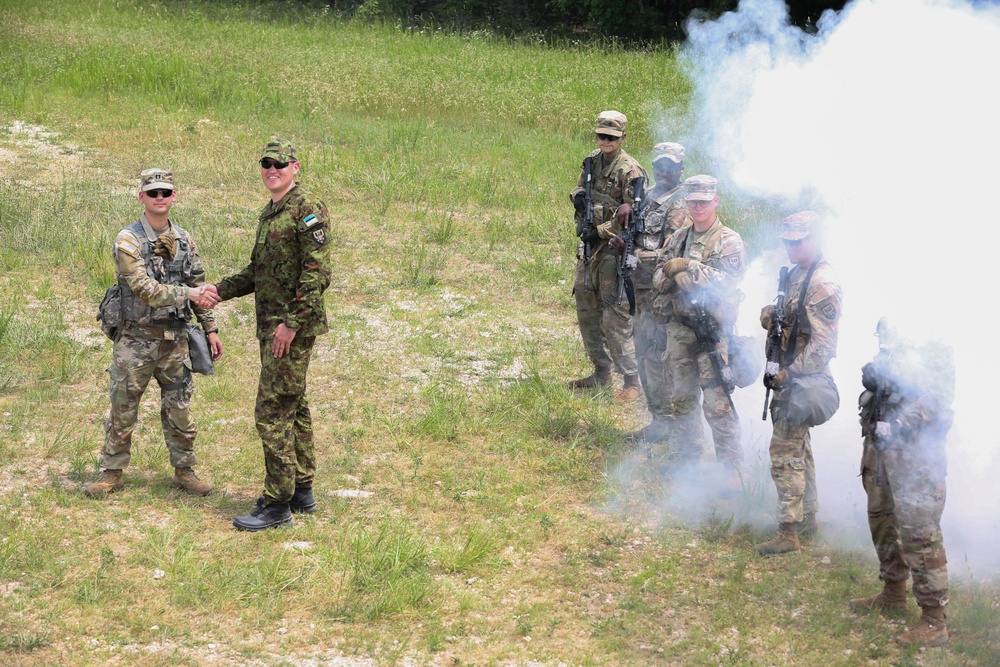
[
  {"x": 809, "y": 342},
  {"x": 604, "y": 325},
  {"x": 905, "y": 417},
  {"x": 288, "y": 272},
  {"x": 159, "y": 272},
  {"x": 699, "y": 274},
  {"x": 665, "y": 213}
]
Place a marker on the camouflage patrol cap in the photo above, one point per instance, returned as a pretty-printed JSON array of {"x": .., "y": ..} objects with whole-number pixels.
[
  {"x": 611, "y": 122},
  {"x": 156, "y": 179},
  {"x": 701, "y": 188},
  {"x": 280, "y": 150},
  {"x": 799, "y": 225},
  {"x": 667, "y": 150}
]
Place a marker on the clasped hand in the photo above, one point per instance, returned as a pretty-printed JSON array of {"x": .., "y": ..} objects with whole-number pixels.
[{"x": 204, "y": 296}]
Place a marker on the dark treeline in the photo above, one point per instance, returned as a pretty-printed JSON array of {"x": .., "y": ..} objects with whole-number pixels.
[{"x": 630, "y": 20}]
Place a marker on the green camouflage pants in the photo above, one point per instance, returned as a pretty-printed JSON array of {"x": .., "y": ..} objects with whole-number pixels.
[
  {"x": 135, "y": 361},
  {"x": 605, "y": 326},
  {"x": 792, "y": 468},
  {"x": 692, "y": 381},
  {"x": 904, "y": 515},
  {"x": 650, "y": 337},
  {"x": 283, "y": 419}
]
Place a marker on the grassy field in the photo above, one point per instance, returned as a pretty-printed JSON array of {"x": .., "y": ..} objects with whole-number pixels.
[{"x": 473, "y": 511}]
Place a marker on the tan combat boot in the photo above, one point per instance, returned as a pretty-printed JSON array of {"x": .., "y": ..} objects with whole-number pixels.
[
  {"x": 601, "y": 377},
  {"x": 931, "y": 630},
  {"x": 109, "y": 482},
  {"x": 808, "y": 528},
  {"x": 187, "y": 480},
  {"x": 631, "y": 390},
  {"x": 892, "y": 598},
  {"x": 785, "y": 541}
]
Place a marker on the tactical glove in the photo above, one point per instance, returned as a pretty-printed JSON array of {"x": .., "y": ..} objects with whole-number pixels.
[
  {"x": 685, "y": 282},
  {"x": 591, "y": 235},
  {"x": 778, "y": 381},
  {"x": 165, "y": 246},
  {"x": 579, "y": 202},
  {"x": 871, "y": 376},
  {"x": 767, "y": 316},
  {"x": 675, "y": 266}
]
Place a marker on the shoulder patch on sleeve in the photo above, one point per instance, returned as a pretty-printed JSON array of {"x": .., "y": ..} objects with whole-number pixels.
[
  {"x": 310, "y": 220},
  {"x": 126, "y": 246},
  {"x": 734, "y": 261},
  {"x": 828, "y": 308},
  {"x": 319, "y": 236}
]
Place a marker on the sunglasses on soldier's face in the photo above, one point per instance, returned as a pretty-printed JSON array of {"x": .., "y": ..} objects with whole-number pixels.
[
  {"x": 157, "y": 194},
  {"x": 267, "y": 164},
  {"x": 607, "y": 137}
]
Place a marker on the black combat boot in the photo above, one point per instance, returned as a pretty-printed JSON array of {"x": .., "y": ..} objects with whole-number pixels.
[
  {"x": 262, "y": 518},
  {"x": 302, "y": 500}
]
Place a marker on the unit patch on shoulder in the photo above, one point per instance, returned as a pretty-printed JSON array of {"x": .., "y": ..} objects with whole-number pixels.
[
  {"x": 126, "y": 246},
  {"x": 829, "y": 311},
  {"x": 734, "y": 262},
  {"x": 310, "y": 220},
  {"x": 320, "y": 236}
]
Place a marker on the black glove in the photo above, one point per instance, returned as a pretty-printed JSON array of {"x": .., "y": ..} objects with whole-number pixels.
[
  {"x": 871, "y": 376},
  {"x": 590, "y": 235},
  {"x": 579, "y": 202}
]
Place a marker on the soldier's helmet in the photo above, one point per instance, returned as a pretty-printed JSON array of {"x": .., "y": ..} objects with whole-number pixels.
[{"x": 611, "y": 123}]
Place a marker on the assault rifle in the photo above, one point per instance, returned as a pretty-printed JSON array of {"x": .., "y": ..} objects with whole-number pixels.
[
  {"x": 772, "y": 351},
  {"x": 708, "y": 335},
  {"x": 628, "y": 261},
  {"x": 585, "y": 222}
]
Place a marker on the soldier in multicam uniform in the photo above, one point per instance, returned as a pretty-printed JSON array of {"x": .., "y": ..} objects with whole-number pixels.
[
  {"x": 288, "y": 272},
  {"x": 159, "y": 272},
  {"x": 703, "y": 262},
  {"x": 604, "y": 325},
  {"x": 815, "y": 328},
  {"x": 905, "y": 417},
  {"x": 665, "y": 213}
]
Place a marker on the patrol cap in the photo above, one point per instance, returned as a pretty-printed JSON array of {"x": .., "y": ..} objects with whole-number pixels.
[
  {"x": 799, "y": 225},
  {"x": 667, "y": 150},
  {"x": 280, "y": 150},
  {"x": 156, "y": 179},
  {"x": 701, "y": 188},
  {"x": 611, "y": 122}
]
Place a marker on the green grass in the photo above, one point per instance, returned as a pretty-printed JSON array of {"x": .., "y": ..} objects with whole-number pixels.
[{"x": 497, "y": 510}]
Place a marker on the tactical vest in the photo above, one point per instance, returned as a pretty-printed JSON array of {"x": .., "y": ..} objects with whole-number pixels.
[{"x": 167, "y": 272}]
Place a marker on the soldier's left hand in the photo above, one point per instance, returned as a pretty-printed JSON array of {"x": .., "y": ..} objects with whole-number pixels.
[
  {"x": 623, "y": 214},
  {"x": 618, "y": 243},
  {"x": 283, "y": 337},
  {"x": 684, "y": 281},
  {"x": 215, "y": 343},
  {"x": 781, "y": 379}
]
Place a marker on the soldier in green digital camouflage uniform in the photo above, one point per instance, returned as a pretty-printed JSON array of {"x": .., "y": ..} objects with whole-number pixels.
[
  {"x": 905, "y": 417},
  {"x": 815, "y": 328},
  {"x": 605, "y": 326},
  {"x": 288, "y": 272},
  {"x": 159, "y": 272},
  {"x": 665, "y": 213},
  {"x": 703, "y": 263}
]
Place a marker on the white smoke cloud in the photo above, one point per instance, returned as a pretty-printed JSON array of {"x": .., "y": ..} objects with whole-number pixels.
[{"x": 886, "y": 121}]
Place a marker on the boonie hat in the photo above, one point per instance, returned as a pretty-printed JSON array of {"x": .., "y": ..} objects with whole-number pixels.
[
  {"x": 611, "y": 122},
  {"x": 280, "y": 150},
  {"x": 156, "y": 179},
  {"x": 799, "y": 225},
  {"x": 701, "y": 188},
  {"x": 667, "y": 150}
]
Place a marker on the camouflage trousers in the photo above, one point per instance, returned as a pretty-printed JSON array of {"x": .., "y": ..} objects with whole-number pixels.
[
  {"x": 692, "y": 379},
  {"x": 605, "y": 326},
  {"x": 650, "y": 338},
  {"x": 904, "y": 515},
  {"x": 792, "y": 468},
  {"x": 135, "y": 361},
  {"x": 283, "y": 419}
]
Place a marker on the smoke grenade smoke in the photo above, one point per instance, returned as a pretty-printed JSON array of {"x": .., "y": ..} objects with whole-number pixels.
[{"x": 884, "y": 122}]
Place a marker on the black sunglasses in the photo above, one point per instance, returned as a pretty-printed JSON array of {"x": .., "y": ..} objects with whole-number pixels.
[
  {"x": 156, "y": 194},
  {"x": 607, "y": 137},
  {"x": 267, "y": 164}
]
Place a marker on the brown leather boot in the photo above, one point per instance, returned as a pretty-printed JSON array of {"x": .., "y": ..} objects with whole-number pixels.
[
  {"x": 892, "y": 598},
  {"x": 109, "y": 482},
  {"x": 785, "y": 541},
  {"x": 808, "y": 528},
  {"x": 187, "y": 480},
  {"x": 601, "y": 377},
  {"x": 931, "y": 630},
  {"x": 631, "y": 390}
]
